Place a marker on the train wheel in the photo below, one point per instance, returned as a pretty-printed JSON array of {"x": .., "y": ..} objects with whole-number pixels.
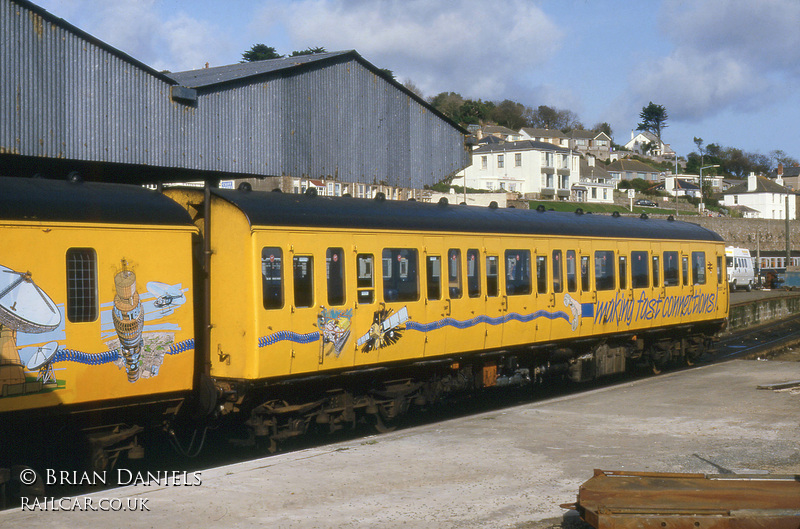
[{"x": 382, "y": 427}]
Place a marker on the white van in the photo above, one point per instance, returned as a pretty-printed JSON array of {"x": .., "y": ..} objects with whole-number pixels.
[{"x": 741, "y": 273}]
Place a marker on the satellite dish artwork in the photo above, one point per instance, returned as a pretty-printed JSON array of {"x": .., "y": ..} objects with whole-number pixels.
[{"x": 24, "y": 307}]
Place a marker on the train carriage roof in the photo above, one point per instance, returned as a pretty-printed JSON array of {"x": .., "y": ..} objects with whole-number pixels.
[
  {"x": 38, "y": 199},
  {"x": 284, "y": 209}
]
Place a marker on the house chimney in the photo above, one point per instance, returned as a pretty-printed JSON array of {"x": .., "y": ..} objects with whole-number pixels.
[
  {"x": 752, "y": 182},
  {"x": 780, "y": 170}
]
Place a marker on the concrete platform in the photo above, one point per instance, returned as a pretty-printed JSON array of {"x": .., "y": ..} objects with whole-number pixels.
[{"x": 507, "y": 468}]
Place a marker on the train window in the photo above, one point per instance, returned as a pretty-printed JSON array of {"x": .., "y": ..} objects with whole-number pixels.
[
  {"x": 670, "y": 269},
  {"x": 572, "y": 278},
  {"x": 656, "y": 278},
  {"x": 334, "y": 265},
  {"x": 585, "y": 266},
  {"x": 623, "y": 272},
  {"x": 365, "y": 282},
  {"x": 719, "y": 269},
  {"x": 473, "y": 273},
  {"x": 685, "y": 269},
  {"x": 434, "y": 271},
  {"x": 303, "y": 281},
  {"x": 698, "y": 268},
  {"x": 604, "y": 270},
  {"x": 640, "y": 277},
  {"x": 400, "y": 274},
  {"x": 558, "y": 285},
  {"x": 492, "y": 289},
  {"x": 81, "y": 285},
  {"x": 518, "y": 272},
  {"x": 541, "y": 274},
  {"x": 454, "y": 273},
  {"x": 272, "y": 277}
]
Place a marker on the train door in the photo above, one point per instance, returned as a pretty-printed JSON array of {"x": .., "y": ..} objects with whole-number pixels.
[
  {"x": 335, "y": 307},
  {"x": 466, "y": 327},
  {"x": 585, "y": 294},
  {"x": 545, "y": 308},
  {"x": 437, "y": 305},
  {"x": 305, "y": 275},
  {"x": 493, "y": 294},
  {"x": 721, "y": 281},
  {"x": 604, "y": 273},
  {"x": 518, "y": 294},
  {"x": 642, "y": 287},
  {"x": 365, "y": 281}
]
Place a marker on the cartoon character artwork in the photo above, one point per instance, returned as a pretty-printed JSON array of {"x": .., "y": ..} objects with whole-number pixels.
[
  {"x": 25, "y": 308},
  {"x": 334, "y": 329},
  {"x": 386, "y": 329},
  {"x": 575, "y": 308}
]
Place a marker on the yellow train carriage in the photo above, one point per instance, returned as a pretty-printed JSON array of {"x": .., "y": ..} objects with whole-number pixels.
[
  {"x": 96, "y": 300},
  {"x": 302, "y": 285}
]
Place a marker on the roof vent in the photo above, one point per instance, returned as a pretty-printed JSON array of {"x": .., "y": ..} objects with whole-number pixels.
[
  {"x": 311, "y": 192},
  {"x": 412, "y": 199},
  {"x": 74, "y": 177},
  {"x": 540, "y": 208},
  {"x": 245, "y": 187},
  {"x": 443, "y": 201},
  {"x": 493, "y": 204},
  {"x": 671, "y": 218},
  {"x": 380, "y": 196},
  {"x": 579, "y": 211},
  {"x": 277, "y": 190},
  {"x": 643, "y": 216},
  {"x": 615, "y": 214}
]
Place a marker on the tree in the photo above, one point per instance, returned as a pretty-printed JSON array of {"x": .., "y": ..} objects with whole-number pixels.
[
  {"x": 509, "y": 114},
  {"x": 260, "y": 52},
  {"x": 603, "y": 127},
  {"x": 545, "y": 117},
  {"x": 409, "y": 85},
  {"x": 308, "y": 51},
  {"x": 654, "y": 120},
  {"x": 448, "y": 103}
]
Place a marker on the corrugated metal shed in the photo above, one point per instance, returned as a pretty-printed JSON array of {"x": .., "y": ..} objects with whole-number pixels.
[{"x": 70, "y": 101}]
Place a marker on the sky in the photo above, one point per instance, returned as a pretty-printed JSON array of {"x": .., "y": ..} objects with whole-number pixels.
[{"x": 725, "y": 71}]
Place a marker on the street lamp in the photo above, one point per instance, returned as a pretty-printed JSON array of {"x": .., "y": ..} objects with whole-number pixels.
[{"x": 702, "y": 204}]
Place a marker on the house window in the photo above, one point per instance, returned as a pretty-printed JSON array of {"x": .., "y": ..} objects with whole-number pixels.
[
  {"x": 605, "y": 194},
  {"x": 490, "y": 186},
  {"x": 500, "y": 161},
  {"x": 547, "y": 158},
  {"x": 563, "y": 181},
  {"x": 548, "y": 179},
  {"x": 484, "y": 162},
  {"x": 594, "y": 192},
  {"x": 518, "y": 159}
]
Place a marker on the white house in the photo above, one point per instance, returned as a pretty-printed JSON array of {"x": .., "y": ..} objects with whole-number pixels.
[
  {"x": 595, "y": 185},
  {"x": 643, "y": 142},
  {"x": 759, "y": 193},
  {"x": 533, "y": 168}
]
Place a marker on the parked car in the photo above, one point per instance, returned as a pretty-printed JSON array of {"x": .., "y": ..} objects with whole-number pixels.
[{"x": 645, "y": 202}]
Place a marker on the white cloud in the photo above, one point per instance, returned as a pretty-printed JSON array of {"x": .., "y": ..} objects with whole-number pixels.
[
  {"x": 173, "y": 41},
  {"x": 728, "y": 54},
  {"x": 469, "y": 46}
]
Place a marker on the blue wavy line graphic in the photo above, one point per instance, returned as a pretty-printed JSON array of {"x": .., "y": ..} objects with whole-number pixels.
[
  {"x": 311, "y": 337},
  {"x": 107, "y": 357}
]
